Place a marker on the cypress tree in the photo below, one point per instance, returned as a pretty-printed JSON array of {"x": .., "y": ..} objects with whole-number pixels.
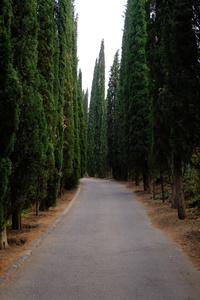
[
  {"x": 71, "y": 180},
  {"x": 10, "y": 94},
  {"x": 65, "y": 126},
  {"x": 85, "y": 107},
  {"x": 103, "y": 165},
  {"x": 174, "y": 87},
  {"x": 111, "y": 103},
  {"x": 181, "y": 90},
  {"x": 121, "y": 125},
  {"x": 30, "y": 146},
  {"x": 82, "y": 128},
  {"x": 47, "y": 190},
  {"x": 100, "y": 105},
  {"x": 139, "y": 104},
  {"x": 91, "y": 163},
  {"x": 97, "y": 106},
  {"x": 160, "y": 153}
]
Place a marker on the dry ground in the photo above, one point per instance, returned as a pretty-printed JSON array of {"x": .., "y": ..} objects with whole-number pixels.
[{"x": 185, "y": 233}]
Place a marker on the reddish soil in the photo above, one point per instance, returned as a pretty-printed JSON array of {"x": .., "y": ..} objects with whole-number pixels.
[{"x": 186, "y": 233}]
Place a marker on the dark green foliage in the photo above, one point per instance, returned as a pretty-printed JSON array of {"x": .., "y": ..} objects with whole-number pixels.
[
  {"x": 85, "y": 107},
  {"x": 9, "y": 98},
  {"x": 133, "y": 104},
  {"x": 102, "y": 171},
  {"x": 111, "y": 103},
  {"x": 47, "y": 189},
  {"x": 72, "y": 178},
  {"x": 65, "y": 103},
  {"x": 160, "y": 147},
  {"x": 137, "y": 85},
  {"x": 182, "y": 79},
  {"x": 91, "y": 164},
  {"x": 121, "y": 126},
  {"x": 41, "y": 108},
  {"x": 97, "y": 106},
  {"x": 173, "y": 44},
  {"x": 82, "y": 128},
  {"x": 30, "y": 146}
]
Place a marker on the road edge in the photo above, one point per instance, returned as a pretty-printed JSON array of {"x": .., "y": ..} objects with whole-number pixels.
[{"x": 28, "y": 252}]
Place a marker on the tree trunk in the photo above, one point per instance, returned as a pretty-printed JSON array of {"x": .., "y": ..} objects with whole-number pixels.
[
  {"x": 147, "y": 181},
  {"x": 154, "y": 189},
  {"x": 179, "y": 197},
  {"x": 137, "y": 179},
  {"x": 3, "y": 239},
  {"x": 16, "y": 219},
  {"x": 44, "y": 206},
  {"x": 37, "y": 207},
  {"x": 173, "y": 203},
  {"x": 162, "y": 187}
]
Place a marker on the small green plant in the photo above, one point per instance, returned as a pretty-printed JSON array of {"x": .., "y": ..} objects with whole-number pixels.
[{"x": 25, "y": 214}]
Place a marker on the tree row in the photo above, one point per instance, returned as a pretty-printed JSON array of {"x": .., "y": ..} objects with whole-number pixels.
[
  {"x": 149, "y": 123},
  {"x": 43, "y": 110}
]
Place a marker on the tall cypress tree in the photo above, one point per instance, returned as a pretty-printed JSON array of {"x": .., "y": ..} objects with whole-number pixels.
[
  {"x": 91, "y": 163},
  {"x": 29, "y": 150},
  {"x": 103, "y": 165},
  {"x": 139, "y": 104},
  {"x": 85, "y": 107},
  {"x": 181, "y": 90},
  {"x": 97, "y": 106},
  {"x": 47, "y": 190},
  {"x": 111, "y": 103},
  {"x": 82, "y": 128},
  {"x": 174, "y": 87},
  {"x": 65, "y": 126},
  {"x": 100, "y": 105},
  {"x": 157, "y": 13},
  {"x": 9, "y": 111},
  {"x": 121, "y": 125},
  {"x": 72, "y": 179}
]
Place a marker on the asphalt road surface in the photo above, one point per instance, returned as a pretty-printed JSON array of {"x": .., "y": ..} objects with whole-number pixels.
[{"x": 105, "y": 249}]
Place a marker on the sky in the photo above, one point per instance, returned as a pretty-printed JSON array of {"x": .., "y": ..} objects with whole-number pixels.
[{"x": 98, "y": 20}]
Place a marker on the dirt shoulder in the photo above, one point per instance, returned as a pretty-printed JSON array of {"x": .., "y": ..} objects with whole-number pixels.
[
  {"x": 186, "y": 233},
  {"x": 32, "y": 228}
]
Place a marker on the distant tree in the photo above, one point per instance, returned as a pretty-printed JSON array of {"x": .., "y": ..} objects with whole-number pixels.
[
  {"x": 100, "y": 105},
  {"x": 82, "y": 128},
  {"x": 111, "y": 103},
  {"x": 10, "y": 94},
  {"x": 91, "y": 163},
  {"x": 97, "y": 106},
  {"x": 85, "y": 107},
  {"x": 30, "y": 146},
  {"x": 103, "y": 165}
]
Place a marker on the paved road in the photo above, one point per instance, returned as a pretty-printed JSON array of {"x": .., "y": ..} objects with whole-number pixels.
[{"x": 105, "y": 249}]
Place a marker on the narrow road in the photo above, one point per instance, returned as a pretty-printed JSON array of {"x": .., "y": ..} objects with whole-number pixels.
[{"x": 105, "y": 249}]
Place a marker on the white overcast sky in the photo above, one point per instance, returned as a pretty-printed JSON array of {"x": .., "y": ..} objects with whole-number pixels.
[{"x": 97, "y": 20}]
